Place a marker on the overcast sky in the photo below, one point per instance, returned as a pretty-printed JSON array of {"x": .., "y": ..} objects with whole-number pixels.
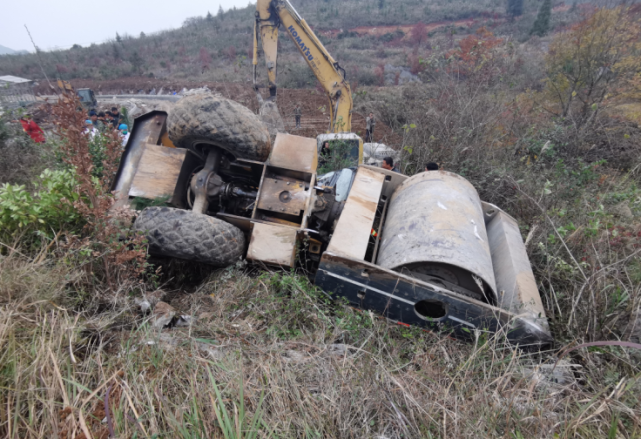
[{"x": 63, "y": 23}]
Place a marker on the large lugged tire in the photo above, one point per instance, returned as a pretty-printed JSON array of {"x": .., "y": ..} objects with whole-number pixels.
[
  {"x": 185, "y": 234},
  {"x": 204, "y": 119}
]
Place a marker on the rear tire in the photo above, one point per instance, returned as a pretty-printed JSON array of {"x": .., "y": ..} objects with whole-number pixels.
[
  {"x": 200, "y": 120},
  {"x": 185, "y": 234}
]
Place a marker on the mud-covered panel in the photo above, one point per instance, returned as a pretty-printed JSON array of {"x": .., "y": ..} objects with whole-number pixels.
[
  {"x": 158, "y": 172},
  {"x": 352, "y": 232},
  {"x": 409, "y": 301},
  {"x": 294, "y": 152},
  {"x": 273, "y": 244}
]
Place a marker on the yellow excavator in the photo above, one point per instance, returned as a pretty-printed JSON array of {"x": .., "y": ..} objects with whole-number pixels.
[{"x": 270, "y": 15}]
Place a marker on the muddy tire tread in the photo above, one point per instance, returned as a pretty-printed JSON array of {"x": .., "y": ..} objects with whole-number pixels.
[
  {"x": 213, "y": 119},
  {"x": 192, "y": 236}
]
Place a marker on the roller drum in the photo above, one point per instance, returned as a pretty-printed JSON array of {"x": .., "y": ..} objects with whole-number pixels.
[{"x": 435, "y": 231}]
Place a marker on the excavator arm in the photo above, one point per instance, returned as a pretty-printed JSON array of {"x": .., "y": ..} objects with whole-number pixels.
[{"x": 270, "y": 15}]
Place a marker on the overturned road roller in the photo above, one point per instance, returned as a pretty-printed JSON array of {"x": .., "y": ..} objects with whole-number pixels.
[{"x": 421, "y": 250}]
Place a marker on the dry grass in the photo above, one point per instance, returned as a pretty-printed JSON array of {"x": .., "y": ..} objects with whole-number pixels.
[{"x": 321, "y": 370}]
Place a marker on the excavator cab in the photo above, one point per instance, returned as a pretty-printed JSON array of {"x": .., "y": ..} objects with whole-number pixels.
[
  {"x": 87, "y": 97},
  {"x": 346, "y": 150}
]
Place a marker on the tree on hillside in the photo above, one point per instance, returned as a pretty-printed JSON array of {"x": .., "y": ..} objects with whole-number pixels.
[
  {"x": 209, "y": 17},
  {"x": 418, "y": 33},
  {"x": 116, "y": 52},
  {"x": 118, "y": 39},
  {"x": 221, "y": 13},
  {"x": 136, "y": 62},
  {"x": 514, "y": 8},
  {"x": 541, "y": 25},
  {"x": 205, "y": 58},
  {"x": 592, "y": 64},
  {"x": 477, "y": 58}
]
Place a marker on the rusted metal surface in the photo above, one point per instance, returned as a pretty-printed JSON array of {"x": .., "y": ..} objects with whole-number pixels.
[
  {"x": 411, "y": 301},
  {"x": 200, "y": 181},
  {"x": 283, "y": 196},
  {"x": 435, "y": 227},
  {"x": 147, "y": 128},
  {"x": 515, "y": 283},
  {"x": 381, "y": 225}
]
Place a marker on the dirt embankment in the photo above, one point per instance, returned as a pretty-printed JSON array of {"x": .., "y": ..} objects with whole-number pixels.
[{"x": 378, "y": 31}]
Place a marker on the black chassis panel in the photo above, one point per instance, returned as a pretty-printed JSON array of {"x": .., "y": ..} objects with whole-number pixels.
[{"x": 394, "y": 296}]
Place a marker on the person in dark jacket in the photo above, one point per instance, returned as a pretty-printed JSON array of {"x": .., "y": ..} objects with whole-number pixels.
[
  {"x": 116, "y": 117},
  {"x": 97, "y": 124},
  {"x": 388, "y": 163},
  {"x": 431, "y": 166},
  {"x": 325, "y": 155}
]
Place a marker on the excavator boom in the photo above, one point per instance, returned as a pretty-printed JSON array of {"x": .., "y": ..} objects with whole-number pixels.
[{"x": 270, "y": 15}]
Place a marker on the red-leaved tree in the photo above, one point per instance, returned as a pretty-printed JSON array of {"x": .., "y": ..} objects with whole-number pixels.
[
  {"x": 418, "y": 34},
  {"x": 119, "y": 254}
]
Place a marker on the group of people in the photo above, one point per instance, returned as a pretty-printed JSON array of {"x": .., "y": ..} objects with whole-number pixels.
[{"x": 101, "y": 122}]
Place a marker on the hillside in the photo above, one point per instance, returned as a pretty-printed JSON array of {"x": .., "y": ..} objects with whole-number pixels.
[
  {"x": 7, "y": 51},
  {"x": 361, "y": 35}
]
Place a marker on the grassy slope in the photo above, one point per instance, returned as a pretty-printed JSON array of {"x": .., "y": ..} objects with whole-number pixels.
[{"x": 320, "y": 370}]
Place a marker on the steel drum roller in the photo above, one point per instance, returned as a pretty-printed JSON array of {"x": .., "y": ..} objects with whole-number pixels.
[{"x": 435, "y": 231}]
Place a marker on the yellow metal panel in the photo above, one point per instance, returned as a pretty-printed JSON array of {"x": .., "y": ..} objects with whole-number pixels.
[
  {"x": 273, "y": 244},
  {"x": 166, "y": 141},
  {"x": 294, "y": 152},
  {"x": 157, "y": 173},
  {"x": 352, "y": 232}
]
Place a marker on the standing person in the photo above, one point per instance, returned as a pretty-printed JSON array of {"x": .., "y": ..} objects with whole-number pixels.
[
  {"x": 431, "y": 166},
  {"x": 388, "y": 163},
  {"x": 93, "y": 117},
  {"x": 31, "y": 127},
  {"x": 298, "y": 113},
  {"x": 116, "y": 117},
  {"x": 102, "y": 118},
  {"x": 90, "y": 129},
  {"x": 370, "y": 123},
  {"x": 124, "y": 133},
  {"x": 325, "y": 155}
]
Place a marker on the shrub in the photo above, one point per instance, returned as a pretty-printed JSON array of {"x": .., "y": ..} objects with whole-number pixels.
[
  {"x": 119, "y": 255},
  {"x": 47, "y": 210},
  {"x": 367, "y": 77}
]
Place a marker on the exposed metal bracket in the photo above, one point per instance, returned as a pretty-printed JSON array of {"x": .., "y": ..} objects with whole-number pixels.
[{"x": 200, "y": 180}]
